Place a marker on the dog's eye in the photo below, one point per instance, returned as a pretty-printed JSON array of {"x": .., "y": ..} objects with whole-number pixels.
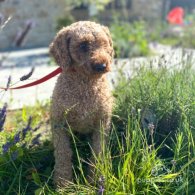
[{"x": 84, "y": 46}]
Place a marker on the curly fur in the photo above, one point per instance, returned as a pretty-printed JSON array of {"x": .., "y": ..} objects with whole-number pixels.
[{"x": 81, "y": 97}]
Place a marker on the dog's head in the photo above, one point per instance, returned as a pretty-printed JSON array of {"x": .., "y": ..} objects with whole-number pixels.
[{"x": 84, "y": 46}]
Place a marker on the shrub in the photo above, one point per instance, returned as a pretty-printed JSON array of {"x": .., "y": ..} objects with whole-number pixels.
[
  {"x": 129, "y": 39},
  {"x": 162, "y": 95}
]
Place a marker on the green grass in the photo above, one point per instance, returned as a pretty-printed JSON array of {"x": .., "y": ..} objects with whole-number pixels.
[{"x": 150, "y": 151}]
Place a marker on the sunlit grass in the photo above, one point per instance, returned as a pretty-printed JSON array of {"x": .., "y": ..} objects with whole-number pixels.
[{"x": 150, "y": 150}]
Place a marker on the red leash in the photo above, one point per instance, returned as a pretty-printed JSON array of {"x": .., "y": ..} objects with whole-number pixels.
[{"x": 42, "y": 80}]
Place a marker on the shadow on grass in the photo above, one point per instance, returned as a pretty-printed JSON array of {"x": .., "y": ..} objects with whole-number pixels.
[{"x": 31, "y": 170}]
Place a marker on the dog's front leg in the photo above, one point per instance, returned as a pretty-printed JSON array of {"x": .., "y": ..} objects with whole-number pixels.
[
  {"x": 99, "y": 139},
  {"x": 63, "y": 156}
]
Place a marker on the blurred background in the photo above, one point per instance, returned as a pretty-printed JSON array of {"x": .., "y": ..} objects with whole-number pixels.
[{"x": 138, "y": 21}]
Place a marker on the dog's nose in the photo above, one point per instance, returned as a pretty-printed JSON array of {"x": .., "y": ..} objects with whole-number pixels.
[{"x": 99, "y": 67}]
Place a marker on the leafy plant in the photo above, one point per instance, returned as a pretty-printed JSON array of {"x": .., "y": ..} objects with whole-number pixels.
[{"x": 129, "y": 39}]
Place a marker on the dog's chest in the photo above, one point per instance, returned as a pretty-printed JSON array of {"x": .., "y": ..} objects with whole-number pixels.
[
  {"x": 88, "y": 107},
  {"x": 86, "y": 104}
]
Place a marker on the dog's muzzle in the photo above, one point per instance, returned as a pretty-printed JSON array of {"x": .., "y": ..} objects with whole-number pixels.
[{"x": 99, "y": 68}]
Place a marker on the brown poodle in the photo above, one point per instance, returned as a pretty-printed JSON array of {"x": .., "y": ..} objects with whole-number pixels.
[{"x": 81, "y": 98}]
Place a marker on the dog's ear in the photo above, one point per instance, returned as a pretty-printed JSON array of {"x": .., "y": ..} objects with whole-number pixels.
[
  {"x": 107, "y": 31},
  {"x": 59, "y": 48}
]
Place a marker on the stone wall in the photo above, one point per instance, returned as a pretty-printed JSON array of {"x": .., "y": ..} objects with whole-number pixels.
[{"x": 43, "y": 13}]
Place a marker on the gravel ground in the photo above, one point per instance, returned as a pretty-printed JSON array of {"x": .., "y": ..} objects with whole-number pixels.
[{"x": 19, "y": 63}]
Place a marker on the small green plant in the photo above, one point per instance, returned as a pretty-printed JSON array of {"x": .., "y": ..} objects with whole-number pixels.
[{"x": 129, "y": 39}]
